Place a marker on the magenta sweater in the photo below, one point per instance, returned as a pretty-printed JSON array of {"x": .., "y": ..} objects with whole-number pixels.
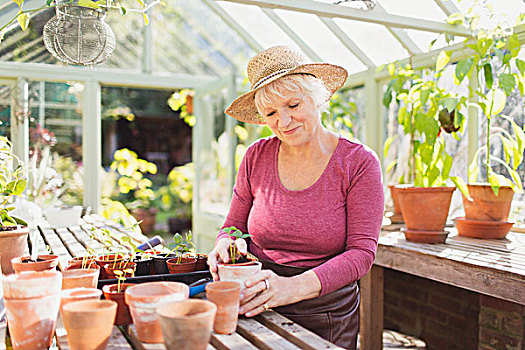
[{"x": 332, "y": 226}]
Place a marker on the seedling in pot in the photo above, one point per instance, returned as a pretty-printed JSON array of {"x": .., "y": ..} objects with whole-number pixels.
[
  {"x": 181, "y": 245},
  {"x": 234, "y": 233},
  {"x": 121, "y": 277}
]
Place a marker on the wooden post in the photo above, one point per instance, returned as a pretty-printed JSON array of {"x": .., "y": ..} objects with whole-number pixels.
[{"x": 371, "y": 310}]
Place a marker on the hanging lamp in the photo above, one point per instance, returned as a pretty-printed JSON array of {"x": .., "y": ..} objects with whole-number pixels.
[{"x": 78, "y": 35}]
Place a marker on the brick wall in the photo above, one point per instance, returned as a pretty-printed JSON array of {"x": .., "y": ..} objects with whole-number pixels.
[
  {"x": 445, "y": 317},
  {"x": 502, "y": 324}
]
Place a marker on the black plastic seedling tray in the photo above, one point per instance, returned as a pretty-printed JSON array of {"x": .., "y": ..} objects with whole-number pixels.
[{"x": 187, "y": 278}]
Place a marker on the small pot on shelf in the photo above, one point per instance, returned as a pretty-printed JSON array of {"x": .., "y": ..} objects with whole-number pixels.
[
  {"x": 42, "y": 263},
  {"x": 238, "y": 272},
  {"x": 225, "y": 295},
  {"x": 75, "y": 277},
  {"x": 116, "y": 293},
  {"x": 181, "y": 265}
]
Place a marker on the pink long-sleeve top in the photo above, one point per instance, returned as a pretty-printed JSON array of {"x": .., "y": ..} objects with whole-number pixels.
[{"x": 331, "y": 226}]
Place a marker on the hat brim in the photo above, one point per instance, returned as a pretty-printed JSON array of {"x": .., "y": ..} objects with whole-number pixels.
[{"x": 243, "y": 108}]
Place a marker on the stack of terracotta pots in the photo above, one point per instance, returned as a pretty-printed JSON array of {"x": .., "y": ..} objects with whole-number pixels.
[{"x": 486, "y": 213}]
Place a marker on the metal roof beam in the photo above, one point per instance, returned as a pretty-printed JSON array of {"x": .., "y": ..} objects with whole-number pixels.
[
  {"x": 292, "y": 34},
  {"x": 401, "y": 36},
  {"x": 347, "y": 42},
  {"x": 447, "y": 6},
  {"x": 336, "y": 11},
  {"x": 233, "y": 24}
]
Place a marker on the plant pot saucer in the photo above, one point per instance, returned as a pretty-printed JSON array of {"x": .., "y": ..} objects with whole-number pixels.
[
  {"x": 420, "y": 236},
  {"x": 483, "y": 229}
]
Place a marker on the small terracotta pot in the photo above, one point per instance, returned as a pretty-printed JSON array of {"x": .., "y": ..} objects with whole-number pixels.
[
  {"x": 425, "y": 208},
  {"x": 78, "y": 294},
  {"x": 88, "y": 262},
  {"x": 103, "y": 260},
  {"x": 186, "y": 325},
  {"x": 397, "y": 216},
  {"x": 32, "y": 301},
  {"x": 75, "y": 278},
  {"x": 122, "y": 266},
  {"x": 238, "y": 272},
  {"x": 43, "y": 263},
  {"x": 485, "y": 205},
  {"x": 225, "y": 295},
  {"x": 13, "y": 243},
  {"x": 185, "y": 265},
  {"x": 483, "y": 229},
  {"x": 111, "y": 293},
  {"x": 89, "y": 323},
  {"x": 159, "y": 263},
  {"x": 143, "y": 299},
  {"x": 148, "y": 218},
  {"x": 202, "y": 263}
]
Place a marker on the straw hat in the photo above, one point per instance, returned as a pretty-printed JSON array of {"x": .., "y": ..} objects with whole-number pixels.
[{"x": 274, "y": 63}]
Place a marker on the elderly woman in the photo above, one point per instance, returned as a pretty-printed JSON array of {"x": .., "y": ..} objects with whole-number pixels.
[{"x": 311, "y": 200}]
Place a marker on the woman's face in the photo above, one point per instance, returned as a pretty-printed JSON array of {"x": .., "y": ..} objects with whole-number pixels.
[{"x": 293, "y": 118}]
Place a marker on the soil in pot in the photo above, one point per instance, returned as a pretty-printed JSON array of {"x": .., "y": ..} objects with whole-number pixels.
[
  {"x": 485, "y": 205},
  {"x": 143, "y": 300},
  {"x": 483, "y": 229},
  {"x": 89, "y": 323},
  {"x": 111, "y": 292},
  {"x": 42, "y": 263},
  {"x": 13, "y": 243},
  {"x": 225, "y": 295},
  {"x": 238, "y": 272},
  {"x": 181, "y": 265},
  {"x": 186, "y": 325}
]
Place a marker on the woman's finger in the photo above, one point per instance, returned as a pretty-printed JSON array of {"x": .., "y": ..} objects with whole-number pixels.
[
  {"x": 242, "y": 247},
  {"x": 250, "y": 293}
]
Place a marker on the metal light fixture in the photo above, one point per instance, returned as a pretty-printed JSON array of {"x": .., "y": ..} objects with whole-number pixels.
[
  {"x": 78, "y": 35},
  {"x": 359, "y": 4}
]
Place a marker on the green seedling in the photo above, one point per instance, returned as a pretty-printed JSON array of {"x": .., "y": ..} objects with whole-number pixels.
[
  {"x": 121, "y": 277},
  {"x": 181, "y": 245},
  {"x": 234, "y": 233}
]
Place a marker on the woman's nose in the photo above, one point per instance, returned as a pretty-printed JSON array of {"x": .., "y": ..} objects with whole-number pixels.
[{"x": 284, "y": 119}]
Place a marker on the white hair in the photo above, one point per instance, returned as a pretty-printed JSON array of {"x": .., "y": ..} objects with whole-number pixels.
[{"x": 307, "y": 83}]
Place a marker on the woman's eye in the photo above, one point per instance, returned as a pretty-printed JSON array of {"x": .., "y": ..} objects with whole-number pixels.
[
  {"x": 294, "y": 105},
  {"x": 270, "y": 114}
]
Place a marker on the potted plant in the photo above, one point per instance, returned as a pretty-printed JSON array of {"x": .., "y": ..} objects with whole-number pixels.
[
  {"x": 425, "y": 203},
  {"x": 116, "y": 292},
  {"x": 494, "y": 54},
  {"x": 42, "y": 262},
  {"x": 239, "y": 268},
  {"x": 13, "y": 230},
  {"x": 181, "y": 245}
]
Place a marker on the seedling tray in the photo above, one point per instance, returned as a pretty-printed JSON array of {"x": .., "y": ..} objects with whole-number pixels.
[{"x": 187, "y": 278}]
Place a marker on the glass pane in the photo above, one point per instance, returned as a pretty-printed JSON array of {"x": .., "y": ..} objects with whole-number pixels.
[
  {"x": 422, "y": 9},
  {"x": 5, "y": 110}
]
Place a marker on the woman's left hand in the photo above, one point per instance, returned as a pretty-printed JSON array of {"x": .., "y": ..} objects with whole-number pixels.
[{"x": 259, "y": 296}]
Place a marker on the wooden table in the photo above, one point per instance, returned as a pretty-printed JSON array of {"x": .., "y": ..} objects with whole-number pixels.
[
  {"x": 269, "y": 330},
  {"x": 491, "y": 267}
]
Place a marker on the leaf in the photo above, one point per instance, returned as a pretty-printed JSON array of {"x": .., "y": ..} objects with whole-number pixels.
[
  {"x": 146, "y": 18},
  {"x": 20, "y": 187},
  {"x": 391, "y": 166},
  {"x": 487, "y": 71},
  {"x": 508, "y": 148},
  {"x": 442, "y": 60},
  {"x": 388, "y": 142},
  {"x": 520, "y": 65},
  {"x": 450, "y": 103},
  {"x": 402, "y": 114},
  {"x": 88, "y": 3},
  {"x": 461, "y": 185},
  {"x": 507, "y": 82},
  {"x": 23, "y": 20},
  {"x": 473, "y": 170},
  {"x": 447, "y": 165},
  {"x": 123, "y": 10},
  {"x": 18, "y": 2},
  {"x": 391, "y": 69},
  {"x": 463, "y": 67},
  {"x": 496, "y": 102},
  {"x": 48, "y": 2},
  {"x": 424, "y": 96}
]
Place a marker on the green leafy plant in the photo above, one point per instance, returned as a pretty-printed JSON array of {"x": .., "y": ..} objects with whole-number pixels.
[
  {"x": 234, "y": 233},
  {"x": 13, "y": 182},
  {"x": 181, "y": 245},
  {"x": 182, "y": 101},
  {"x": 121, "y": 277},
  {"x": 176, "y": 197},
  {"x": 341, "y": 115}
]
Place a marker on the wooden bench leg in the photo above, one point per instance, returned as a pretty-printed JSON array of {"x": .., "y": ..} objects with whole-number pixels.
[{"x": 371, "y": 310}]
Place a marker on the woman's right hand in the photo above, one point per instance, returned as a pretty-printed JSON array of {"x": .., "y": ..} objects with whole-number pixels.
[{"x": 221, "y": 253}]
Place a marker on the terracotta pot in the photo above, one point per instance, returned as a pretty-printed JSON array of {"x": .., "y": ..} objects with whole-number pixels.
[
  {"x": 122, "y": 266},
  {"x": 103, "y": 260},
  {"x": 148, "y": 218},
  {"x": 13, "y": 243},
  {"x": 185, "y": 265},
  {"x": 32, "y": 300},
  {"x": 75, "y": 278},
  {"x": 483, "y": 229},
  {"x": 425, "y": 208},
  {"x": 43, "y": 263},
  {"x": 88, "y": 262},
  {"x": 189, "y": 104},
  {"x": 397, "y": 216},
  {"x": 159, "y": 263},
  {"x": 111, "y": 293},
  {"x": 421, "y": 236},
  {"x": 89, "y": 323},
  {"x": 485, "y": 205},
  {"x": 78, "y": 294},
  {"x": 186, "y": 325},
  {"x": 225, "y": 295},
  {"x": 202, "y": 263},
  {"x": 238, "y": 272},
  {"x": 143, "y": 299}
]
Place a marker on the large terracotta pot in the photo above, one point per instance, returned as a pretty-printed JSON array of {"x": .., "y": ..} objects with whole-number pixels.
[
  {"x": 43, "y": 263},
  {"x": 143, "y": 299},
  {"x": 13, "y": 243},
  {"x": 75, "y": 277},
  {"x": 186, "y": 325},
  {"x": 485, "y": 205},
  {"x": 89, "y": 323},
  {"x": 111, "y": 292},
  {"x": 32, "y": 301},
  {"x": 185, "y": 265},
  {"x": 148, "y": 218},
  {"x": 78, "y": 294},
  {"x": 238, "y": 272},
  {"x": 397, "y": 216},
  {"x": 225, "y": 295},
  {"x": 425, "y": 212}
]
